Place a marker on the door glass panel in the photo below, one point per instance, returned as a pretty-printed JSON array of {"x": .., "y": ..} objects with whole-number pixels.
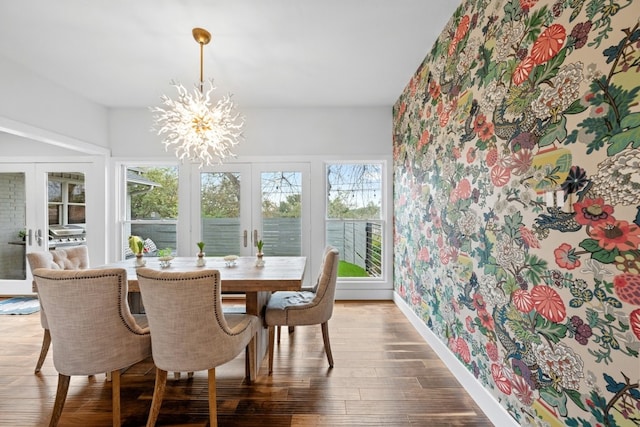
[
  {"x": 12, "y": 227},
  {"x": 281, "y": 213},
  {"x": 220, "y": 212},
  {"x": 66, "y": 209}
]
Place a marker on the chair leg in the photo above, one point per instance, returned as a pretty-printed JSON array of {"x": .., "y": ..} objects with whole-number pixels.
[
  {"x": 327, "y": 345},
  {"x": 158, "y": 394},
  {"x": 271, "y": 344},
  {"x": 61, "y": 397},
  {"x": 213, "y": 408},
  {"x": 278, "y": 334},
  {"x": 46, "y": 342},
  {"x": 250, "y": 358},
  {"x": 291, "y": 329},
  {"x": 115, "y": 397}
]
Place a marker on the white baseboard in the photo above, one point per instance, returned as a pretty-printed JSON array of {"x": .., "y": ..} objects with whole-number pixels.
[
  {"x": 489, "y": 405},
  {"x": 363, "y": 295}
]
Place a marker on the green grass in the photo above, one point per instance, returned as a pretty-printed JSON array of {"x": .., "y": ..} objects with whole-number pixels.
[{"x": 346, "y": 269}]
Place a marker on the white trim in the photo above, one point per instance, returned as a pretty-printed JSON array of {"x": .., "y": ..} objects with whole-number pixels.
[
  {"x": 489, "y": 405},
  {"x": 366, "y": 294},
  {"x": 38, "y": 134}
]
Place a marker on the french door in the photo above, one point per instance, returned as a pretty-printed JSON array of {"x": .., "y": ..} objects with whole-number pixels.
[
  {"x": 236, "y": 205},
  {"x": 36, "y": 196}
]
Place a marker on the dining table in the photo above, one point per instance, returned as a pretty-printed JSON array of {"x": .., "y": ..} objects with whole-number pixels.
[{"x": 240, "y": 276}]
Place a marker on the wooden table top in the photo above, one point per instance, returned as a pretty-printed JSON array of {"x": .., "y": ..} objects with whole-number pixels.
[{"x": 277, "y": 274}]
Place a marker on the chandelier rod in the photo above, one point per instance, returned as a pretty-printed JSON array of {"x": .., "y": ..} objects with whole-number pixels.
[{"x": 203, "y": 37}]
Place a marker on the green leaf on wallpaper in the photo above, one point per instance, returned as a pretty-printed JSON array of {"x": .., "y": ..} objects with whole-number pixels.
[
  {"x": 631, "y": 134},
  {"x": 550, "y": 69},
  {"x": 555, "y": 398},
  {"x": 576, "y": 107},
  {"x": 553, "y": 331},
  {"x": 592, "y": 317},
  {"x": 605, "y": 257},
  {"x": 512, "y": 224},
  {"x": 512, "y": 11},
  {"x": 590, "y": 245},
  {"x": 524, "y": 334},
  {"x": 537, "y": 268},
  {"x": 576, "y": 397},
  {"x": 555, "y": 131},
  {"x": 535, "y": 22},
  {"x": 510, "y": 285}
]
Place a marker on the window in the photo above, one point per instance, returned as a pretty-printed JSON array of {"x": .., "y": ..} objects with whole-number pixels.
[
  {"x": 151, "y": 208},
  {"x": 66, "y": 199},
  {"x": 354, "y": 219}
]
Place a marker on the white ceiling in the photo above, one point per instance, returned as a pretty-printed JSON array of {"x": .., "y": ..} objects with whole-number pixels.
[{"x": 268, "y": 53}]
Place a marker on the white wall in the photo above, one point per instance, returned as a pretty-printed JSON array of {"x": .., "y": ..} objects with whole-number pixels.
[
  {"x": 33, "y": 101},
  {"x": 271, "y": 132}
]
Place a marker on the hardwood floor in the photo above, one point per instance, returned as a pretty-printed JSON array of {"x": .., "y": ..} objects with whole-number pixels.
[{"x": 384, "y": 375}]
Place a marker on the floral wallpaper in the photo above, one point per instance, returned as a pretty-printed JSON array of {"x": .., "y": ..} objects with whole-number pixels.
[{"x": 517, "y": 204}]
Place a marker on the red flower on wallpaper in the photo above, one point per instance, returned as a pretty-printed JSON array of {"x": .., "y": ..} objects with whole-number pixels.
[
  {"x": 548, "y": 44},
  {"x": 592, "y": 211},
  {"x": 463, "y": 350},
  {"x": 616, "y": 234},
  {"x": 522, "y": 300},
  {"x": 492, "y": 157},
  {"x": 471, "y": 154},
  {"x": 463, "y": 189},
  {"x": 500, "y": 378},
  {"x": 486, "y": 131},
  {"x": 527, "y": 4},
  {"x": 479, "y": 122},
  {"x": 486, "y": 319},
  {"x": 500, "y": 176},
  {"x": 492, "y": 351},
  {"x": 461, "y": 31},
  {"x": 522, "y": 71},
  {"x": 566, "y": 257},
  {"x": 634, "y": 322},
  {"x": 529, "y": 239},
  {"x": 423, "y": 255},
  {"x": 468, "y": 321},
  {"x": 548, "y": 303},
  {"x": 434, "y": 88},
  {"x": 627, "y": 287},
  {"x": 424, "y": 139}
]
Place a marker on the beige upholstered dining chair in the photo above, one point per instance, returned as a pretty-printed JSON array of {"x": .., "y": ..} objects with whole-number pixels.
[
  {"x": 92, "y": 329},
  {"x": 309, "y": 307},
  {"x": 189, "y": 330},
  {"x": 71, "y": 258}
]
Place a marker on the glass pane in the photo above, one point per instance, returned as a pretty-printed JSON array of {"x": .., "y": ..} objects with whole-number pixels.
[
  {"x": 354, "y": 209},
  {"x": 76, "y": 193},
  {"x": 55, "y": 191},
  {"x": 354, "y": 191},
  {"x": 76, "y": 214},
  {"x": 281, "y": 213},
  {"x": 55, "y": 214},
  {"x": 220, "y": 212},
  {"x": 12, "y": 227},
  {"x": 152, "y": 202}
]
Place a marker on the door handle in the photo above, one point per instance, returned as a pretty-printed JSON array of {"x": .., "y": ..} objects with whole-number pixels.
[
  {"x": 255, "y": 237},
  {"x": 39, "y": 237},
  {"x": 30, "y": 236},
  {"x": 245, "y": 238}
]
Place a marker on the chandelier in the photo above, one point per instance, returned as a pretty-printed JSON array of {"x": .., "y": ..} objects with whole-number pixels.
[{"x": 196, "y": 128}]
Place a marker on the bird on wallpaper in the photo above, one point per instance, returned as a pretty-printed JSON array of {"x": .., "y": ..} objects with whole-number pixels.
[
  {"x": 469, "y": 133},
  {"x": 557, "y": 220},
  {"x": 466, "y": 298}
]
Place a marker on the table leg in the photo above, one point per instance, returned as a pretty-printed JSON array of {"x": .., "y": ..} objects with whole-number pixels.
[{"x": 255, "y": 304}]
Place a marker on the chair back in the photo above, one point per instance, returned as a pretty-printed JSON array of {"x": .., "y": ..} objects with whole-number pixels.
[
  {"x": 92, "y": 329},
  {"x": 325, "y": 289},
  {"x": 71, "y": 258},
  {"x": 188, "y": 327}
]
